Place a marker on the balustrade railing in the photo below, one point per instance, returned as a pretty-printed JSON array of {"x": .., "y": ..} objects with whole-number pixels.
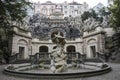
[
  {"x": 14, "y": 57},
  {"x": 101, "y": 56},
  {"x": 45, "y": 56}
]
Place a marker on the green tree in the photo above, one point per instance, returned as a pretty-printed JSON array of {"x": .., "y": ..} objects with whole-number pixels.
[
  {"x": 115, "y": 23},
  {"x": 94, "y": 14},
  {"x": 88, "y": 14},
  {"x": 85, "y": 15},
  {"x": 14, "y": 10},
  {"x": 11, "y": 11},
  {"x": 115, "y": 15},
  {"x": 103, "y": 11}
]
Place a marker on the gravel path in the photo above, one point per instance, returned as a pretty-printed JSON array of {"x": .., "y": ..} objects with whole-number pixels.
[{"x": 113, "y": 75}]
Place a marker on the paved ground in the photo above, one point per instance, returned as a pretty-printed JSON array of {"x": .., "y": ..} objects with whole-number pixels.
[{"x": 113, "y": 75}]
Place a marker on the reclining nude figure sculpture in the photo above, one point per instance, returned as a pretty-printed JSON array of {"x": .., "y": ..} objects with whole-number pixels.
[{"x": 58, "y": 62}]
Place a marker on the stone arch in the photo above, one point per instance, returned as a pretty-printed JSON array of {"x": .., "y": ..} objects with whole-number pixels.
[
  {"x": 71, "y": 48},
  {"x": 43, "y": 49},
  {"x": 90, "y": 41},
  {"x": 22, "y": 42}
]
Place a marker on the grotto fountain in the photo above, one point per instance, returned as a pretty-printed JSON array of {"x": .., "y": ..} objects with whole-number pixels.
[{"x": 60, "y": 65}]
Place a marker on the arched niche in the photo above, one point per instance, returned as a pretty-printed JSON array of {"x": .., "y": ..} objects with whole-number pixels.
[
  {"x": 22, "y": 42},
  {"x": 91, "y": 41},
  {"x": 71, "y": 48},
  {"x": 43, "y": 49}
]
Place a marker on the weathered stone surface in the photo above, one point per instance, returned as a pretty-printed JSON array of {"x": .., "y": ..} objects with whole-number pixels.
[
  {"x": 58, "y": 55},
  {"x": 113, "y": 75}
]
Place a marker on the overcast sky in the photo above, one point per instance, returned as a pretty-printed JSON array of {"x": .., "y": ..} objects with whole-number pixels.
[{"x": 90, "y": 2}]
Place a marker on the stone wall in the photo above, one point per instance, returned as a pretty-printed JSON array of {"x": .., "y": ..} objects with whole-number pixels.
[
  {"x": 50, "y": 45},
  {"x": 91, "y": 41},
  {"x": 94, "y": 39},
  {"x": 21, "y": 39}
]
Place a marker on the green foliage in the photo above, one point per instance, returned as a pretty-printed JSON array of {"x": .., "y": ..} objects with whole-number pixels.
[
  {"x": 88, "y": 14},
  {"x": 1, "y": 53},
  {"x": 103, "y": 12},
  {"x": 11, "y": 11},
  {"x": 115, "y": 15},
  {"x": 108, "y": 42},
  {"x": 85, "y": 15},
  {"x": 116, "y": 39},
  {"x": 115, "y": 23},
  {"x": 94, "y": 14},
  {"x": 14, "y": 10},
  {"x": 115, "y": 50}
]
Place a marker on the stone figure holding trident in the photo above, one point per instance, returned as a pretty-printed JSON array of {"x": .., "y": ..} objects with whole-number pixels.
[{"x": 58, "y": 62}]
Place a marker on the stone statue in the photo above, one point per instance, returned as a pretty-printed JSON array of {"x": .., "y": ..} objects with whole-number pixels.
[{"x": 58, "y": 62}]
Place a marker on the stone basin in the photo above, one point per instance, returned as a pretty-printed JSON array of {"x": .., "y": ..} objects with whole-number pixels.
[{"x": 82, "y": 70}]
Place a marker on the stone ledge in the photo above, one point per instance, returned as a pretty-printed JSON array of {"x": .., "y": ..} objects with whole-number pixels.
[{"x": 57, "y": 75}]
